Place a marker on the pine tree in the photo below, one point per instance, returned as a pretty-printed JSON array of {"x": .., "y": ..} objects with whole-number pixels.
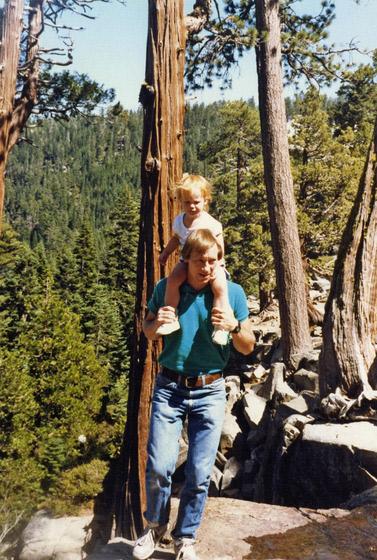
[
  {"x": 19, "y": 286},
  {"x": 326, "y": 171}
]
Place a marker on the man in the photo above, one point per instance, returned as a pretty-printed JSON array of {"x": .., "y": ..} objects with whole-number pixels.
[{"x": 190, "y": 385}]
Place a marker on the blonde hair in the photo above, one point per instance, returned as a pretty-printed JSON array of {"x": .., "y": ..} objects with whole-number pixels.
[
  {"x": 190, "y": 182},
  {"x": 199, "y": 241}
]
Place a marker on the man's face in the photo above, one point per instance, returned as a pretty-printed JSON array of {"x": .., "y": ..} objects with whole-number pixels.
[{"x": 201, "y": 267}]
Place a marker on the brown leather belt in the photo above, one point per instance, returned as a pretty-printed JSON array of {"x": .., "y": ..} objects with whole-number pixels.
[{"x": 192, "y": 382}]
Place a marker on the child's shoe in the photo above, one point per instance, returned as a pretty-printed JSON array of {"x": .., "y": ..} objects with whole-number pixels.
[
  {"x": 221, "y": 337},
  {"x": 168, "y": 328}
]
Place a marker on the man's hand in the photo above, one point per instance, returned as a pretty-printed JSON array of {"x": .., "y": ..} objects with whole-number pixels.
[{"x": 222, "y": 319}]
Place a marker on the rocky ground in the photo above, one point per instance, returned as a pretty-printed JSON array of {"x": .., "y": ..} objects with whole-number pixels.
[{"x": 240, "y": 530}]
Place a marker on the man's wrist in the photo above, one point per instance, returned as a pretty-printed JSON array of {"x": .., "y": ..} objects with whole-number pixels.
[{"x": 236, "y": 329}]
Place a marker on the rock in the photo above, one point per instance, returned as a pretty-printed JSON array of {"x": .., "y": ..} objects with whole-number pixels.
[
  {"x": 310, "y": 361},
  {"x": 330, "y": 463},
  {"x": 231, "y": 479},
  {"x": 230, "y": 431},
  {"x": 275, "y": 378},
  {"x": 305, "y": 379},
  {"x": 296, "y": 405},
  {"x": 256, "y": 436},
  {"x": 233, "y": 390},
  {"x": 235, "y": 529},
  {"x": 259, "y": 372},
  {"x": 321, "y": 284},
  {"x": 215, "y": 483},
  {"x": 314, "y": 294},
  {"x": 365, "y": 498},
  {"x": 317, "y": 339},
  {"x": 46, "y": 538},
  {"x": 220, "y": 460},
  {"x": 253, "y": 305},
  {"x": 253, "y": 408},
  {"x": 275, "y": 388}
]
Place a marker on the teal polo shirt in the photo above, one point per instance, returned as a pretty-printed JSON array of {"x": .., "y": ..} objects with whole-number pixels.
[{"x": 190, "y": 350}]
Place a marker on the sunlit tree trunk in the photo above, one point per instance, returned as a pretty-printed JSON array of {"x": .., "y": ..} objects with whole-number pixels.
[
  {"x": 14, "y": 114},
  {"x": 162, "y": 97},
  {"x": 279, "y": 184},
  {"x": 11, "y": 28},
  {"x": 348, "y": 357}
]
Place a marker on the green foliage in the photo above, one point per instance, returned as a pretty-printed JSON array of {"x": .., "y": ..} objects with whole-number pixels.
[
  {"x": 77, "y": 487},
  {"x": 231, "y": 31},
  {"x": 71, "y": 173},
  {"x": 64, "y": 95},
  {"x": 19, "y": 286},
  {"x": 357, "y": 97},
  {"x": 326, "y": 172}
]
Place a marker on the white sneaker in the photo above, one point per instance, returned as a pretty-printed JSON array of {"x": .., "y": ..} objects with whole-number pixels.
[
  {"x": 184, "y": 549},
  {"x": 145, "y": 545},
  {"x": 168, "y": 328},
  {"x": 220, "y": 337}
]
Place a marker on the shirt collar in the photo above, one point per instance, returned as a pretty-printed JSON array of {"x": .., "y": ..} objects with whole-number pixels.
[{"x": 186, "y": 288}]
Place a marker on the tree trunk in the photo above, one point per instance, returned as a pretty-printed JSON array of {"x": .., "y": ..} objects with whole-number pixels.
[
  {"x": 162, "y": 97},
  {"x": 280, "y": 196},
  {"x": 348, "y": 357},
  {"x": 11, "y": 28},
  {"x": 15, "y": 112}
]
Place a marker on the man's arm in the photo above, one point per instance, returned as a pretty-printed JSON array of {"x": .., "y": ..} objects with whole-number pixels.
[
  {"x": 151, "y": 322},
  {"x": 243, "y": 341}
]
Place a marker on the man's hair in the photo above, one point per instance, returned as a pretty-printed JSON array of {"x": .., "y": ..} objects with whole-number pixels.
[
  {"x": 192, "y": 182},
  {"x": 199, "y": 241}
]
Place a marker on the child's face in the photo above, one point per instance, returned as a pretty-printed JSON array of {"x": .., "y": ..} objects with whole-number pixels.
[{"x": 193, "y": 203}]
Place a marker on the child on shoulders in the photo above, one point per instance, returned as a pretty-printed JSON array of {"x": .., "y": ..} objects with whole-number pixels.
[{"x": 194, "y": 194}]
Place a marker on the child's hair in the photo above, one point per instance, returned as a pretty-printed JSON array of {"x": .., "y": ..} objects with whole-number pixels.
[
  {"x": 191, "y": 182},
  {"x": 199, "y": 241}
]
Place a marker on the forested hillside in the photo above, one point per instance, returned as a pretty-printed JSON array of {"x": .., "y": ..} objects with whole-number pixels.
[{"x": 68, "y": 260}]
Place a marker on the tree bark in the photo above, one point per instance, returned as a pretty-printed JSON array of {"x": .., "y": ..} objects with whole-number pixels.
[
  {"x": 348, "y": 357},
  {"x": 280, "y": 196},
  {"x": 15, "y": 112},
  {"x": 11, "y": 28},
  {"x": 162, "y": 97}
]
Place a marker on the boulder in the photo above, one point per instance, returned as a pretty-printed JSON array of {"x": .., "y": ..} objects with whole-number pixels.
[
  {"x": 233, "y": 390},
  {"x": 330, "y": 463},
  {"x": 321, "y": 284},
  {"x": 215, "y": 482},
  {"x": 306, "y": 380},
  {"x": 253, "y": 408},
  {"x": 48, "y": 538},
  {"x": 229, "y": 433},
  {"x": 231, "y": 479}
]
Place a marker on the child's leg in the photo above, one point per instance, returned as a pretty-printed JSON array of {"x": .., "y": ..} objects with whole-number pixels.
[
  {"x": 219, "y": 288},
  {"x": 174, "y": 281}
]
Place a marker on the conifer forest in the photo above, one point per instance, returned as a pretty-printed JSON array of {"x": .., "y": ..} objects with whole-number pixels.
[{"x": 75, "y": 220}]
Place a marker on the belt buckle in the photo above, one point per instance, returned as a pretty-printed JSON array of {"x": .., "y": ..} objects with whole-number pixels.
[{"x": 190, "y": 382}]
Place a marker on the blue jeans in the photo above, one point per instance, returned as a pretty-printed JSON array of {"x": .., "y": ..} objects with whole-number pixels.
[{"x": 204, "y": 408}]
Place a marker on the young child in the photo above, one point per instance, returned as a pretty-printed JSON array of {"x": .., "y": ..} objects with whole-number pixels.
[{"x": 194, "y": 193}]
